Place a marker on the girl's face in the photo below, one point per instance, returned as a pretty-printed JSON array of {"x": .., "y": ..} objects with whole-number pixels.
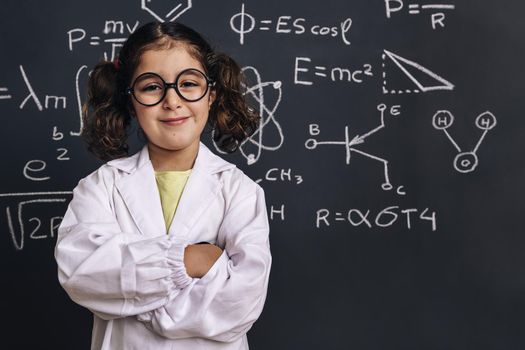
[{"x": 158, "y": 121}]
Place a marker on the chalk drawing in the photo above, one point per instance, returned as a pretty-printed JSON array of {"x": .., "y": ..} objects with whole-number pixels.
[
  {"x": 360, "y": 139},
  {"x": 266, "y": 113},
  {"x": 464, "y": 162},
  {"x": 406, "y": 66},
  {"x": 173, "y": 12}
]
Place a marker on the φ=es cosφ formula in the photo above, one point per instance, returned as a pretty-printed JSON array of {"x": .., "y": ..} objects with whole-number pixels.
[{"x": 243, "y": 23}]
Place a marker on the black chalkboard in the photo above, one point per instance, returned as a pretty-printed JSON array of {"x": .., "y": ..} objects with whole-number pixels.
[{"x": 391, "y": 153}]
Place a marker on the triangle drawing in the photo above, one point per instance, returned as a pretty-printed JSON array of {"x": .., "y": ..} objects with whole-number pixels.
[{"x": 436, "y": 82}]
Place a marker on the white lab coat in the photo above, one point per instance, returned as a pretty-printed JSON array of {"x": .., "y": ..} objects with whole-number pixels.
[{"x": 115, "y": 258}]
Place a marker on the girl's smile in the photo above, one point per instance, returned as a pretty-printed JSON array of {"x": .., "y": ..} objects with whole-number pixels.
[{"x": 174, "y": 121}]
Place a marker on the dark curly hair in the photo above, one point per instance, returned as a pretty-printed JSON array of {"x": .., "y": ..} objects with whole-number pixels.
[{"x": 107, "y": 111}]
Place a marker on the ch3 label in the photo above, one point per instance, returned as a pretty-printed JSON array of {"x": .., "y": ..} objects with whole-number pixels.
[{"x": 282, "y": 175}]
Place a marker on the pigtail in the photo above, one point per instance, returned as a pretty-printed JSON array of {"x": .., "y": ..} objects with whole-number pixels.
[
  {"x": 233, "y": 120},
  {"x": 105, "y": 115}
]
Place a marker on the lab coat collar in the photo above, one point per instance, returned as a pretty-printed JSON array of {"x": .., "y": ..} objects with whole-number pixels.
[
  {"x": 139, "y": 191},
  {"x": 205, "y": 161}
]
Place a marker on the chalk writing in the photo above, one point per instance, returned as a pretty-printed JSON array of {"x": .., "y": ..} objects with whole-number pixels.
[
  {"x": 116, "y": 30},
  {"x": 437, "y": 14},
  {"x": 382, "y": 219},
  {"x": 282, "y": 175},
  {"x": 32, "y": 95},
  {"x": 334, "y": 74},
  {"x": 278, "y": 212},
  {"x": 18, "y": 226},
  {"x": 3, "y": 95},
  {"x": 243, "y": 23}
]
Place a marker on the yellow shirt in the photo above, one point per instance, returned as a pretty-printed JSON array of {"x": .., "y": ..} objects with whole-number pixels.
[{"x": 170, "y": 185}]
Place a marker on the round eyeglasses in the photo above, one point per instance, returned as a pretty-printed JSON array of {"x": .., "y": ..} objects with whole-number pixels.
[{"x": 149, "y": 88}]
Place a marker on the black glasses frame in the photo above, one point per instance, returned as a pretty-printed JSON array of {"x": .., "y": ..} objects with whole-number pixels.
[{"x": 131, "y": 90}]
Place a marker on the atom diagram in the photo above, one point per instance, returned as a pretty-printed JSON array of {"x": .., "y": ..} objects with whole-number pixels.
[{"x": 266, "y": 113}]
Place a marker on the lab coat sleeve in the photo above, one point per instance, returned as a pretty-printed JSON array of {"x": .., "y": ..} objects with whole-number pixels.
[
  {"x": 112, "y": 273},
  {"x": 224, "y": 303}
]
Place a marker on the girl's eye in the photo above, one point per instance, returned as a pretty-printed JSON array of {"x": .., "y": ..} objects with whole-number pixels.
[
  {"x": 151, "y": 87},
  {"x": 188, "y": 84}
]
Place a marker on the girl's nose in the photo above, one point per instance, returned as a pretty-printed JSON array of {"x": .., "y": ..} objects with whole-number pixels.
[{"x": 172, "y": 99}]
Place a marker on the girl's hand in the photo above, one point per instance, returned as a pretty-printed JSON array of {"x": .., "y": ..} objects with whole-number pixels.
[{"x": 199, "y": 258}]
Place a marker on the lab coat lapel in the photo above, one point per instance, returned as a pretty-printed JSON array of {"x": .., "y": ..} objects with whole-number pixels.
[
  {"x": 140, "y": 193},
  {"x": 200, "y": 190}
]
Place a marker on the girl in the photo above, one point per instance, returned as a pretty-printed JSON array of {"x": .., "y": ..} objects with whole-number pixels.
[{"x": 129, "y": 247}]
